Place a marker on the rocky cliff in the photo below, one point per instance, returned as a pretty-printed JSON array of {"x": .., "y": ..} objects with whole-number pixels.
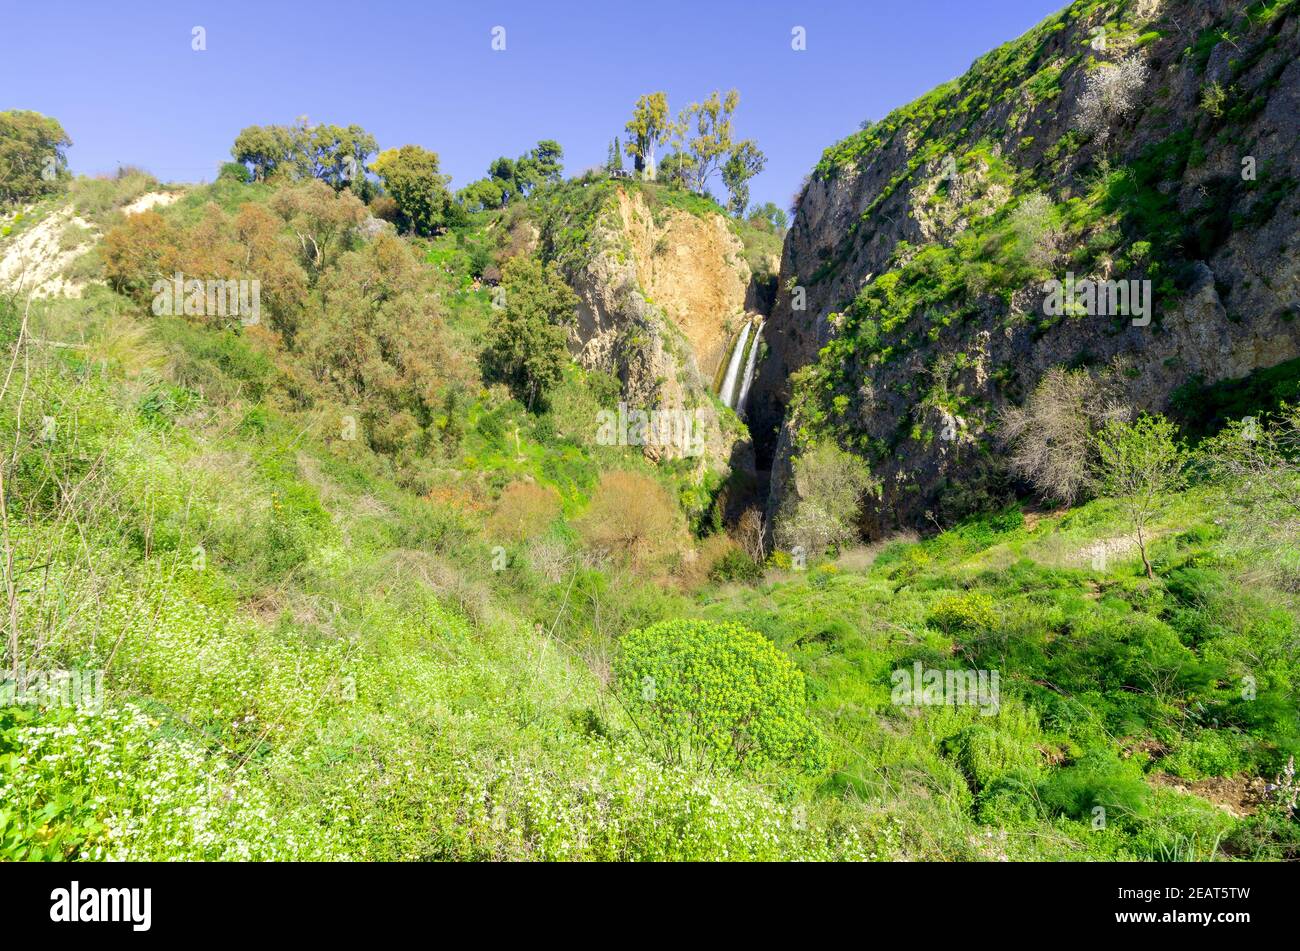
[
  {"x": 662, "y": 292},
  {"x": 1124, "y": 140}
]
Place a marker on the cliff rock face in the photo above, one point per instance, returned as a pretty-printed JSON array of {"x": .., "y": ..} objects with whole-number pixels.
[
  {"x": 1146, "y": 141},
  {"x": 661, "y": 292}
]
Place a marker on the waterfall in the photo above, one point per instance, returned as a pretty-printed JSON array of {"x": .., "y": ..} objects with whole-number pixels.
[
  {"x": 727, "y": 392},
  {"x": 749, "y": 368}
]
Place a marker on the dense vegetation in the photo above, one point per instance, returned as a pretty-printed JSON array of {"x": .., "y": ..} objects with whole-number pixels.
[{"x": 363, "y": 582}]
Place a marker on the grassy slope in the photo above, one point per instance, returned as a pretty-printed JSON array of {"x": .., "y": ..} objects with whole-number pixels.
[{"x": 306, "y": 659}]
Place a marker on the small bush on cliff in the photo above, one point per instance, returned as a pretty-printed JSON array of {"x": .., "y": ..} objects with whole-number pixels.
[{"x": 714, "y": 694}]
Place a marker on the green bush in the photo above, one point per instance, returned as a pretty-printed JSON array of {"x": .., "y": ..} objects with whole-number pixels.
[
  {"x": 1099, "y": 778},
  {"x": 972, "y": 611},
  {"x": 735, "y": 565},
  {"x": 985, "y": 752},
  {"x": 708, "y": 694},
  {"x": 1207, "y": 753}
]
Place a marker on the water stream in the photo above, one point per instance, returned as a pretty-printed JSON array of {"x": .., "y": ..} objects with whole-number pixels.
[{"x": 727, "y": 392}]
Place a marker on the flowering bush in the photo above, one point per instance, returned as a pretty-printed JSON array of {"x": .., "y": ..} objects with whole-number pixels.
[{"x": 707, "y": 694}]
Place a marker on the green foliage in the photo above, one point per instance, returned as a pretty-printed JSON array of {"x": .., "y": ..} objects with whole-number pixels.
[
  {"x": 528, "y": 346},
  {"x": 1205, "y": 409},
  {"x": 1098, "y": 780},
  {"x": 337, "y": 155},
  {"x": 33, "y": 160},
  {"x": 986, "y": 753},
  {"x": 1141, "y": 464},
  {"x": 970, "y": 612},
  {"x": 735, "y": 565},
  {"x": 410, "y": 175},
  {"x": 720, "y": 694},
  {"x": 822, "y": 509},
  {"x": 512, "y": 179}
]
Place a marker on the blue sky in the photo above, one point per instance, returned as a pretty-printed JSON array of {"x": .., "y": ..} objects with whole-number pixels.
[{"x": 128, "y": 88}]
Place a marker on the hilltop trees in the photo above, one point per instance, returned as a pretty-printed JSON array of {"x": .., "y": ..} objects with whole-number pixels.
[
  {"x": 510, "y": 179},
  {"x": 411, "y": 178},
  {"x": 770, "y": 217},
  {"x": 648, "y": 126},
  {"x": 704, "y": 144},
  {"x": 714, "y": 148},
  {"x": 32, "y": 159},
  {"x": 614, "y": 163},
  {"x": 744, "y": 162},
  {"x": 337, "y": 155}
]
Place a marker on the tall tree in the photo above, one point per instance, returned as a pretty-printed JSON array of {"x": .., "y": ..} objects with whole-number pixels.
[
  {"x": 711, "y": 121},
  {"x": 539, "y": 166},
  {"x": 411, "y": 176},
  {"x": 744, "y": 162},
  {"x": 648, "y": 127},
  {"x": 528, "y": 346},
  {"x": 32, "y": 159}
]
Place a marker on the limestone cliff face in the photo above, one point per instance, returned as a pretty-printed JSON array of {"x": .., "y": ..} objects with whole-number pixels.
[
  {"x": 662, "y": 291},
  {"x": 1196, "y": 165}
]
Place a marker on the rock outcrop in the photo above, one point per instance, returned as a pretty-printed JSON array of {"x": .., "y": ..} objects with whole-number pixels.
[{"x": 1158, "y": 142}]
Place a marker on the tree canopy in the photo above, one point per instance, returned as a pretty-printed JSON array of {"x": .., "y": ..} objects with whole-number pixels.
[
  {"x": 337, "y": 155},
  {"x": 412, "y": 179},
  {"x": 32, "y": 159},
  {"x": 509, "y": 179},
  {"x": 528, "y": 345}
]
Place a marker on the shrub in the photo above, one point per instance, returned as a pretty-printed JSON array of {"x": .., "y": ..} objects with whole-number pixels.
[
  {"x": 524, "y": 511},
  {"x": 1207, "y": 753},
  {"x": 1099, "y": 778},
  {"x": 987, "y": 751},
  {"x": 632, "y": 519},
  {"x": 1050, "y": 436},
  {"x": 822, "y": 510},
  {"x": 964, "y": 612},
  {"x": 717, "y": 694},
  {"x": 235, "y": 171},
  {"x": 1110, "y": 93},
  {"x": 736, "y": 565},
  {"x": 1009, "y": 800}
]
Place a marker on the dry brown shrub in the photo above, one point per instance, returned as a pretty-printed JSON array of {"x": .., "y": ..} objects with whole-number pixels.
[
  {"x": 1050, "y": 437},
  {"x": 692, "y": 573},
  {"x": 524, "y": 511},
  {"x": 633, "y": 519}
]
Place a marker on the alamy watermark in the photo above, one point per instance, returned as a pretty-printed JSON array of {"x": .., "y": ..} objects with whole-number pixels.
[
  {"x": 208, "y": 298},
  {"x": 1108, "y": 298},
  {"x": 953, "y": 688},
  {"x": 666, "y": 428},
  {"x": 82, "y": 689}
]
